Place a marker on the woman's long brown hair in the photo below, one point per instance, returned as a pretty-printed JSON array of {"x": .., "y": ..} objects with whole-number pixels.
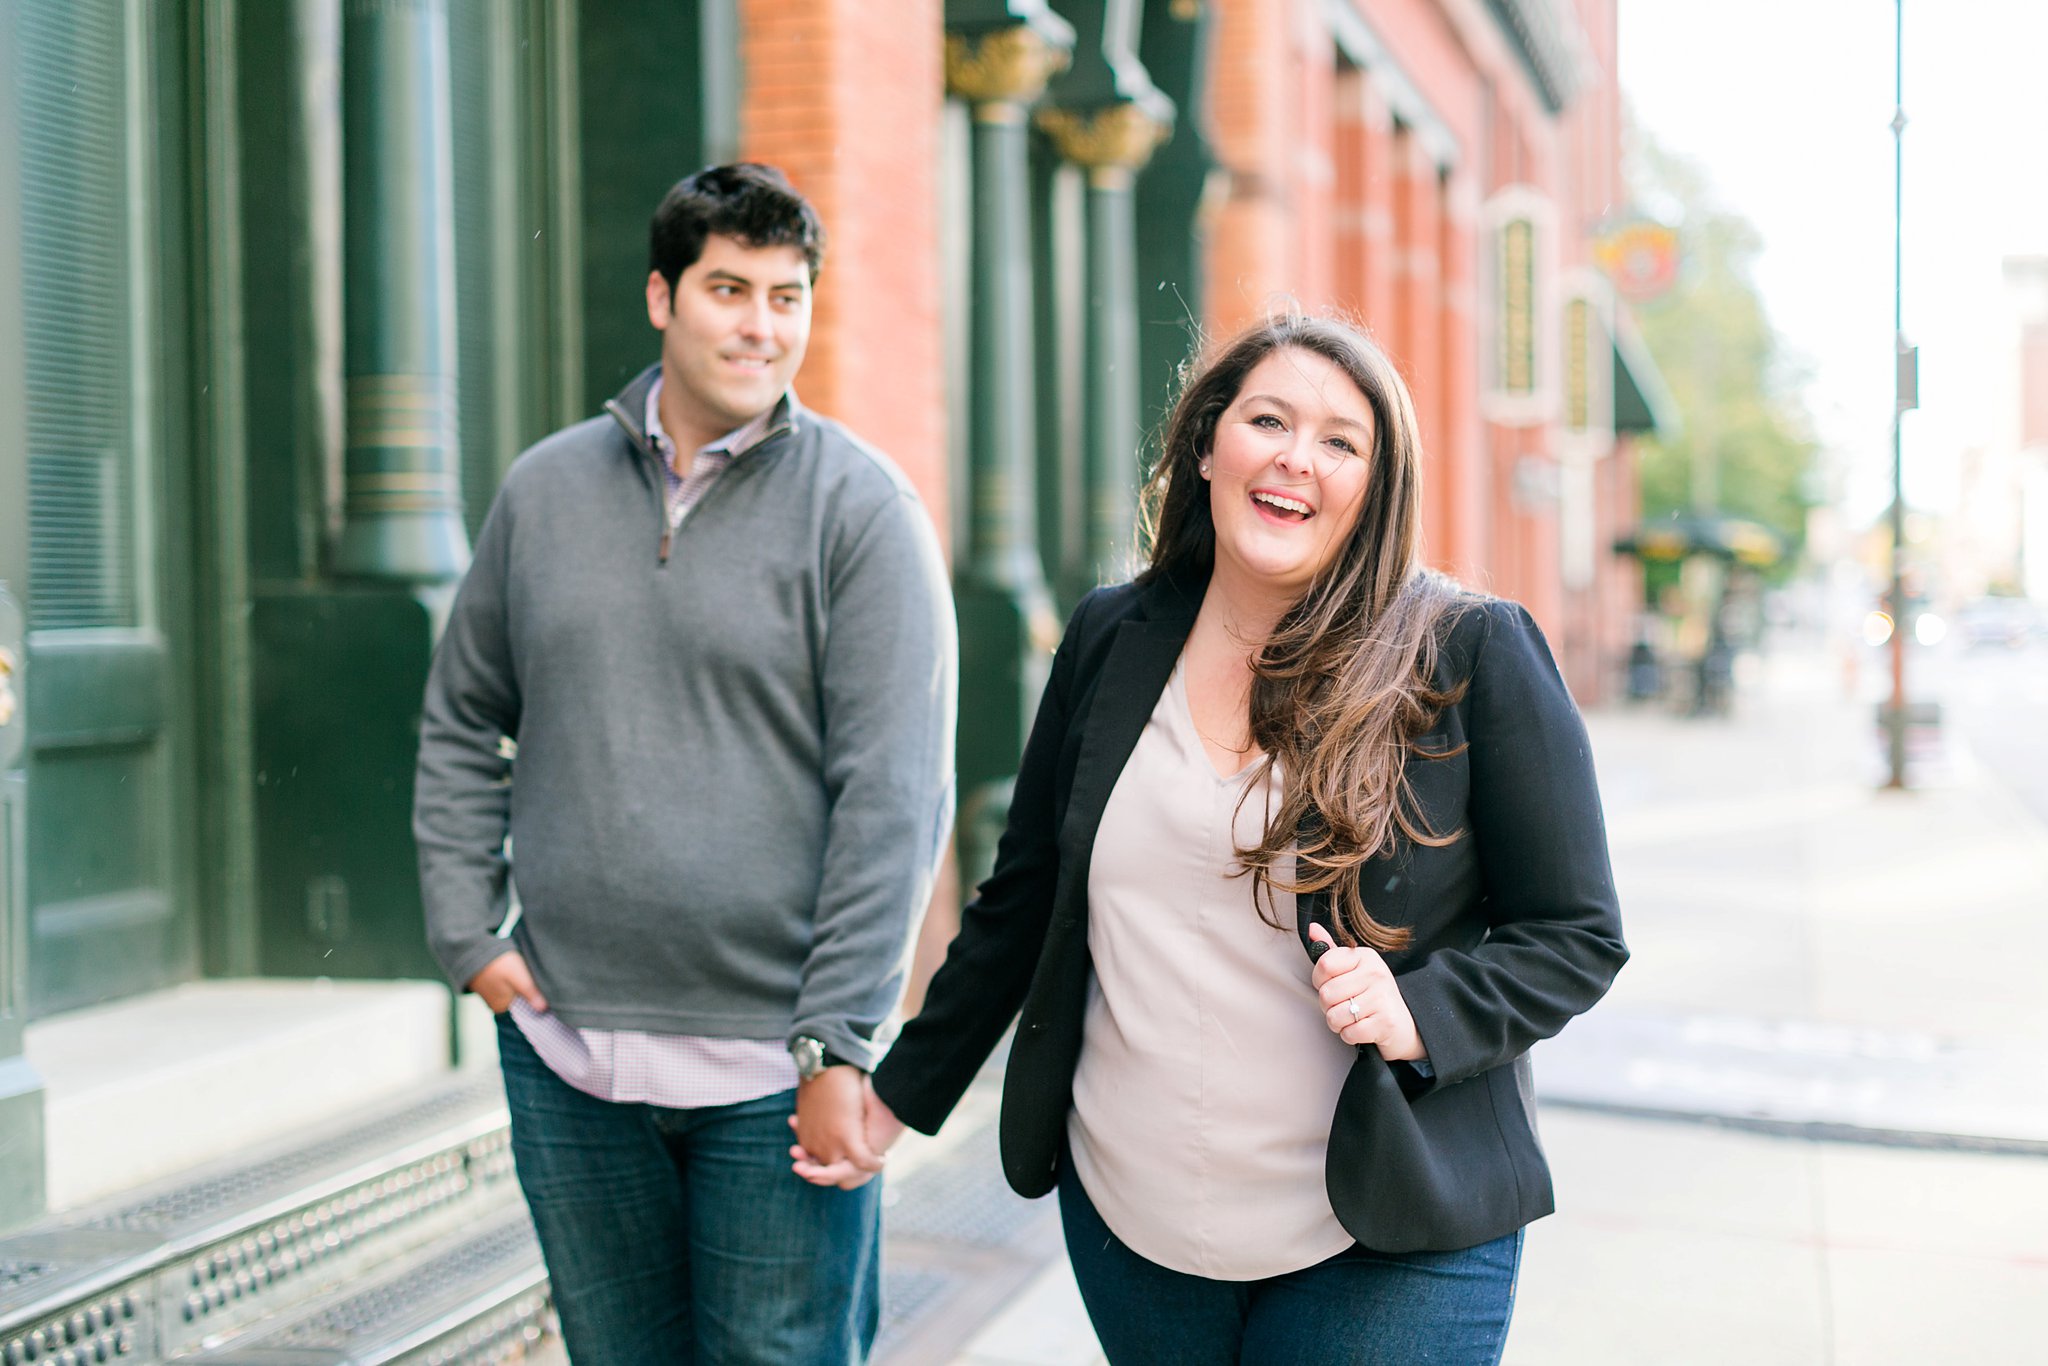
[{"x": 1345, "y": 688}]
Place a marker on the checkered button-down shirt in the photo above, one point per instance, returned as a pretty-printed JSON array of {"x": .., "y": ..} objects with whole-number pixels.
[
  {"x": 679, "y": 1071},
  {"x": 685, "y": 491}
]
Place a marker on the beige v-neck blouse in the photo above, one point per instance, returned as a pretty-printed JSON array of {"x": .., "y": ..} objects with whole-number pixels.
[{"x": 1207, "y": 1078}]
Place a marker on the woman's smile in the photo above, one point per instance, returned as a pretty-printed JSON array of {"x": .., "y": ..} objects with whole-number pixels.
[
  {"x": 1288, "y": 469},
  {"x": 1282, "y": 507}
]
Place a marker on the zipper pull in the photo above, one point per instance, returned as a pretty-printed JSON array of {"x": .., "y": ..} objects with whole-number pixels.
[{"x": 668, "y": 535}]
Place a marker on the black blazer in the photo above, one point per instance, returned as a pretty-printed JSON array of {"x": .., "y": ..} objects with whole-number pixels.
[{"x": 1516, "y": 927}]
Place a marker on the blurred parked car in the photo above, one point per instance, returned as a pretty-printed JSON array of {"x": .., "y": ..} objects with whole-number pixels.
[{"x": 2000, "y": 622}]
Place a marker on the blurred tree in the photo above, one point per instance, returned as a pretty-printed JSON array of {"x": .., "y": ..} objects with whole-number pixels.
[{"x": 1746, "y": 444}]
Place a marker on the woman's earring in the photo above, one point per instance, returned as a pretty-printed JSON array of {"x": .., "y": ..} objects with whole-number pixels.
[{"x": 1203, "y": 469}]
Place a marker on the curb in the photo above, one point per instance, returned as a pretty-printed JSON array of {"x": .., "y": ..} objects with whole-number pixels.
[{"x": 1816, "y": 1131}]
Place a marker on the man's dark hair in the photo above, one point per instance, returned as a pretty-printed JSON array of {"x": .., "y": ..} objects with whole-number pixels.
[{"x": 746, "y": 200}]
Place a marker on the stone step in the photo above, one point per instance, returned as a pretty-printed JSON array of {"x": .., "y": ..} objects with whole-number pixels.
[
  {"x": 215, "y": 1254},
  {"x": 477, "y": 1296},
  {"x": 210, "y": 1069},
  {"x": 399, "y": 1235}
]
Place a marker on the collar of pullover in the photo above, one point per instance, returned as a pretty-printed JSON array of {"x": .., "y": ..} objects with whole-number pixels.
[{"x": 630, "y": 409}]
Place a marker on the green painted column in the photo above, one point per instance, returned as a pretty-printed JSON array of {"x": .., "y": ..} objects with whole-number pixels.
[
  {"x": 1059, "y": 252},
  {"x": 1106, "y": 116},
  {"x": 1168, "y": 197},
  {"x": 402, "y": 510},
  {"x": 1111, "y": 143},
  {"x": 338, "y": 664},
  {"x": 999, "y": 64},
  {"x": 1111, "y": 396},
  {"x": 21, "y": 1089}
]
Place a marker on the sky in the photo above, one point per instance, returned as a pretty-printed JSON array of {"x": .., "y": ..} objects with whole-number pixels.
[{"x": 1787, "y": 106}]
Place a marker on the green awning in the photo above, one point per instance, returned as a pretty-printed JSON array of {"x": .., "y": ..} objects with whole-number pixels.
[
  {"x": 1642, "y": 403},
  {"x": 1683, "y": 535}
]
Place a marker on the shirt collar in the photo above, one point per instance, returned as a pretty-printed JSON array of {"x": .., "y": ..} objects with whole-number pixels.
[{"x": 734, "y": 443}]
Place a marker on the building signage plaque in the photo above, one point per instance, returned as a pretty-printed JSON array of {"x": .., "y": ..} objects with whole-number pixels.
[{"x": 1521, "y": 387}]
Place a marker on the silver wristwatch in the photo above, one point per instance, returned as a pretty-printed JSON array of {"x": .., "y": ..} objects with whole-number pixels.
[{"x": 810, "y": 1056}]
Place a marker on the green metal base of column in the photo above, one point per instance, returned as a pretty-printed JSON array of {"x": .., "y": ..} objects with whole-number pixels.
[
  {"x": 1007, "y": 637},
  {"x": 21, "y": 1138},
  {"x": 984, "y": 811},
  {"x": 428, "y": 547},
  {"x": 338, "y": 678}
]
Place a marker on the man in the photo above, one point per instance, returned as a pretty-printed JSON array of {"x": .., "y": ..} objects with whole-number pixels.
[{"x": 716, "y": 631}]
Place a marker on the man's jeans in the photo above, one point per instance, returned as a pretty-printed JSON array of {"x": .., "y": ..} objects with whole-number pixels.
[
  {"x": 682, "y": 1235},
  {"x": 1359, "y": 1308}
]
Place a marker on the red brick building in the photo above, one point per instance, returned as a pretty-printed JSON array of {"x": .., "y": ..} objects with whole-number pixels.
[{"x": 1362, "y": 155}]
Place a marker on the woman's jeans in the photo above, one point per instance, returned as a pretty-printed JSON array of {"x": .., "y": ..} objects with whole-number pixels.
[
  {"x": 677, "y": 1236},
  {"x": 1359, "y": 1308}
]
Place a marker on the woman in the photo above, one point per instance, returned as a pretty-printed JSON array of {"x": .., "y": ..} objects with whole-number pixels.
[{"x": 1305, "y": 852}]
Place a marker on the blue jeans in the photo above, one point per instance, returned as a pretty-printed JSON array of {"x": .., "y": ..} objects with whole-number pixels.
[
  {"x": 1359, "y": 1308},
  {"x": 682, "y": 1236}
]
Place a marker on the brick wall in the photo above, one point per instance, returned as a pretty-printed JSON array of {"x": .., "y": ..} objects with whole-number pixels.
[
  {"x": 1419, "y": 311},
  {"x": 1327, "y": 202},
  {"x": 1453, "y": 478},
  {"x": 1251, "y": 243},
  {"x": 845, "y": 96},
  {"x": 2034, "y": 384}
]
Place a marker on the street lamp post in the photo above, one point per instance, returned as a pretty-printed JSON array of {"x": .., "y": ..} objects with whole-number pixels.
[{"x": 1905, "y": 372}]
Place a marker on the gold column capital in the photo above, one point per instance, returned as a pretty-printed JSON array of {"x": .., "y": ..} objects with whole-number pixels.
[
  {"x": 1006, "y": 66},
  {"x": 1113, "y": 142}
]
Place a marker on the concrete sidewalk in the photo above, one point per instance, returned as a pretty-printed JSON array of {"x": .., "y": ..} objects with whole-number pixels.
[
  {"x": 1812, "y": 953},
  {"x": 1682, "y": 1243},
  {"x": 1809, "y": 1124}
]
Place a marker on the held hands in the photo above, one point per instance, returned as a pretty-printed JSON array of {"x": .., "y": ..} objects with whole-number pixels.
[
  {"x": 842, "y": 1129},
  {"x": 1344, "y": 978},
  {"x": 504, "y": 978}
]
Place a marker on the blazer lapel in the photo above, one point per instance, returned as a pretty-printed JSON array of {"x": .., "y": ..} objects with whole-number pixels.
[{"x": 1140, "y": 660}]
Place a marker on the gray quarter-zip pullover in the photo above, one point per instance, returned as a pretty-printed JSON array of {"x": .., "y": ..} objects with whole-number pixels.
[{"x": 734, "y": 744}]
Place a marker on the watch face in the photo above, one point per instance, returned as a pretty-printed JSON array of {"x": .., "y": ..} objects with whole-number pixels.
[{"x": 810, "y": 1057}]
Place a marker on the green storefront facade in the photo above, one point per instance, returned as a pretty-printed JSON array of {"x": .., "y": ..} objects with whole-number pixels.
[{"x": 284, "y": 284}]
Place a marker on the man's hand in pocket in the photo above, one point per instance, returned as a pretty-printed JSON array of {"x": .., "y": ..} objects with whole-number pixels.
[{"x": 504, "y": 978}]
